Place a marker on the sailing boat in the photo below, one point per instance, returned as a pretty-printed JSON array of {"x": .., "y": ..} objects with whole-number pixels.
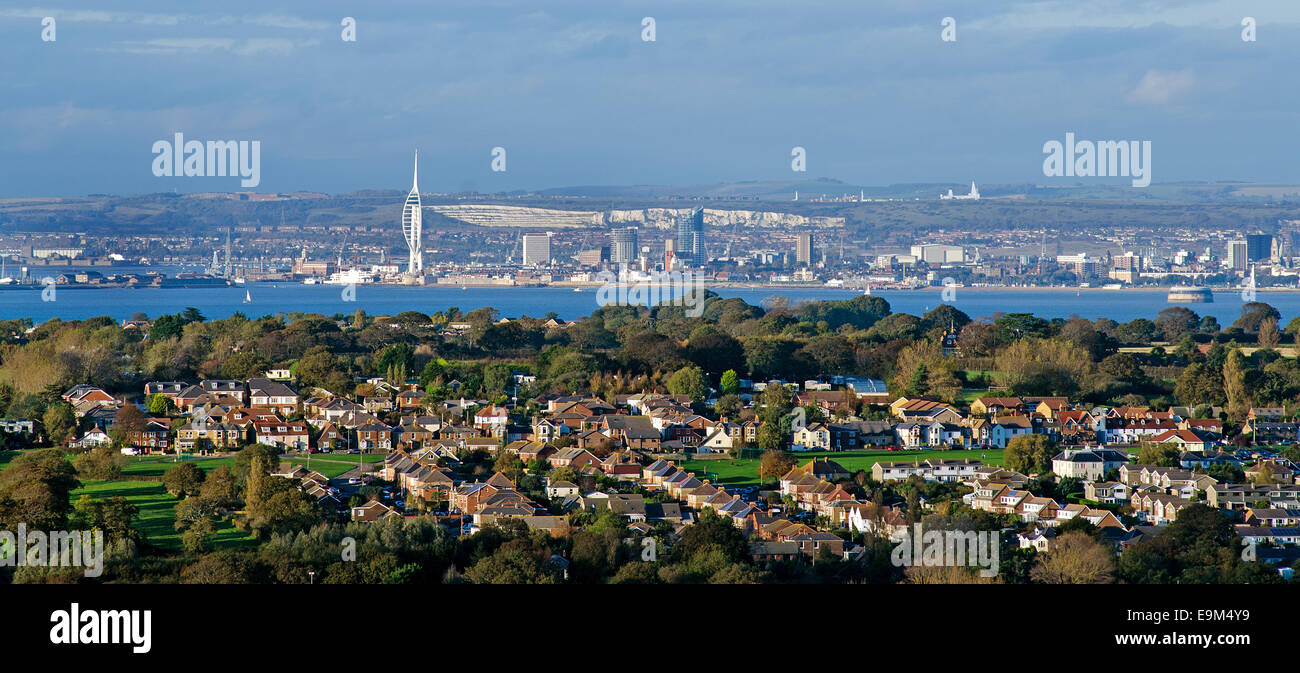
[
  {"x": 867, "y": 292},
  {"x": 248, "y": 298}
]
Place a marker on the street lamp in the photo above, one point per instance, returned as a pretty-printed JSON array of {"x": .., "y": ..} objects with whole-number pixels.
[{"x": 311, "y": 574}]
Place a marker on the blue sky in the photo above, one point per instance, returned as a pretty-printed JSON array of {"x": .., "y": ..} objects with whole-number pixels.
[{"x": 577, "y": 98}]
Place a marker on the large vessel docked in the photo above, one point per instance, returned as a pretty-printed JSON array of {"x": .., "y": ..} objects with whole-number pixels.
[{"x": 1188, "y": 294}]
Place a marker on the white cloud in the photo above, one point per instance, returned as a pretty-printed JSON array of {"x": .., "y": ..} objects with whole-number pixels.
[{"x": 1159, "y": 87}]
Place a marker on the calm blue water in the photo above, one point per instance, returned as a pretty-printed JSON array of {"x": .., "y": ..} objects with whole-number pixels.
[{"x": 271, "y": 298}]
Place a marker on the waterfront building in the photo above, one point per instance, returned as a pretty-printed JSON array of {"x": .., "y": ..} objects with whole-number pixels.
[{"x": 537, "y": 249}]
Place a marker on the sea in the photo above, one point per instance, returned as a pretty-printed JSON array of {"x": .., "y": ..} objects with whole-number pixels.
[{"x": 272, "y": 298}]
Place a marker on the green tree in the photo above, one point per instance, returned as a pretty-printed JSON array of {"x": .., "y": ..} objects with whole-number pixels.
[
  {"x": 730, "y": 382},
  {"x": 35, "y": 489},
  {"x": 183, "y": 480},
  {"x": 59, "y": 421},
  {"x": 691, "y": 382},
  {"x": 159, "y": 405},
  {"x": 1029, "y": 453},
  {"x": 1163, "y": 455},
  {"x": 1234, "y": 384},
  {"x": 112, "y": 515}
]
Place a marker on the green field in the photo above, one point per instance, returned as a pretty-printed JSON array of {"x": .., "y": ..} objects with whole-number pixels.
[
  {"x": 330, "y": 465},
  {"x": 745, "y": 472},
  {"x": 157, "y": 512}
]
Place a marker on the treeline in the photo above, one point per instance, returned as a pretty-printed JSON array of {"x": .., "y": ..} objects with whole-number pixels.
[{"x": 622, "y": 349}]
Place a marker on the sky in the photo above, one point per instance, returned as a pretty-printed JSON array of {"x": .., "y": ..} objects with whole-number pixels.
[{"x": 576, "y": 96}]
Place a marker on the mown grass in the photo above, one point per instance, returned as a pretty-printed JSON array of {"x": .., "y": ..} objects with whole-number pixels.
[
  {"x": 157, "y": 515},
  {"x": 745, "y": 472}
]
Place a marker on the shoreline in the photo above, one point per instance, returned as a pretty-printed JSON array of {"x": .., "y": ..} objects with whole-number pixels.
[{"x": 563, "y": 285}]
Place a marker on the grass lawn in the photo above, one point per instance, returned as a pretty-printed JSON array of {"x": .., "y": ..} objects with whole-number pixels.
[
  {"x": 157, "y": 512},
  {"x": 155, "y": 466},
  {"x": 745, "y": 472},
  {"x": 328, "y": 464}
]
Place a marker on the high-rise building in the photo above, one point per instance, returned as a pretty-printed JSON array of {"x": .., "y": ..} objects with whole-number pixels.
[
  {"x": 593, "y": 256},
  {"x": 803, "y": 249},
  {"x": 412, "y": 222},
  {"x": 537, "y": 249},
  {"x": 624, "y": 249},
  {"x": 1258, "y": 247},
  {"x": 1127, "y": 262},
  {"x": 1237, "y": 257},
  {"x": 690, "y": 239}
]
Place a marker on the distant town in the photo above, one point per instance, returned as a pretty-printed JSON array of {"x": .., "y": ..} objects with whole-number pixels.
[{"x": 471, "y": 241}]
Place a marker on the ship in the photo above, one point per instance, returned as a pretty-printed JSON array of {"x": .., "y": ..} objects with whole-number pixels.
[{"x": 1189, "y": 294}]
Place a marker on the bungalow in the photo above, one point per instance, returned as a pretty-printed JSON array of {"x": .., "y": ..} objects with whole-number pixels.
[
  {"x": 573, "y": 457},
  {"x": 1187, "y": 440},
  {"x": 952, "y": 470},
  {"x": 561, "y": 489},
  {"x": 1271, "y": 432},
  {"x": 95, "y": 437},
  {"x": 372, "y": 511},
  {"x": 1273, "y": 517}
]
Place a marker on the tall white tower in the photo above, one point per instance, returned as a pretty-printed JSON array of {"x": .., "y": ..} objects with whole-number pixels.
[{"x": 412, "y": 222}]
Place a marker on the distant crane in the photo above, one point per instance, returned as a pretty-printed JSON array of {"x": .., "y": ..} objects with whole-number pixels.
[{"x": 226, "y": 271}]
